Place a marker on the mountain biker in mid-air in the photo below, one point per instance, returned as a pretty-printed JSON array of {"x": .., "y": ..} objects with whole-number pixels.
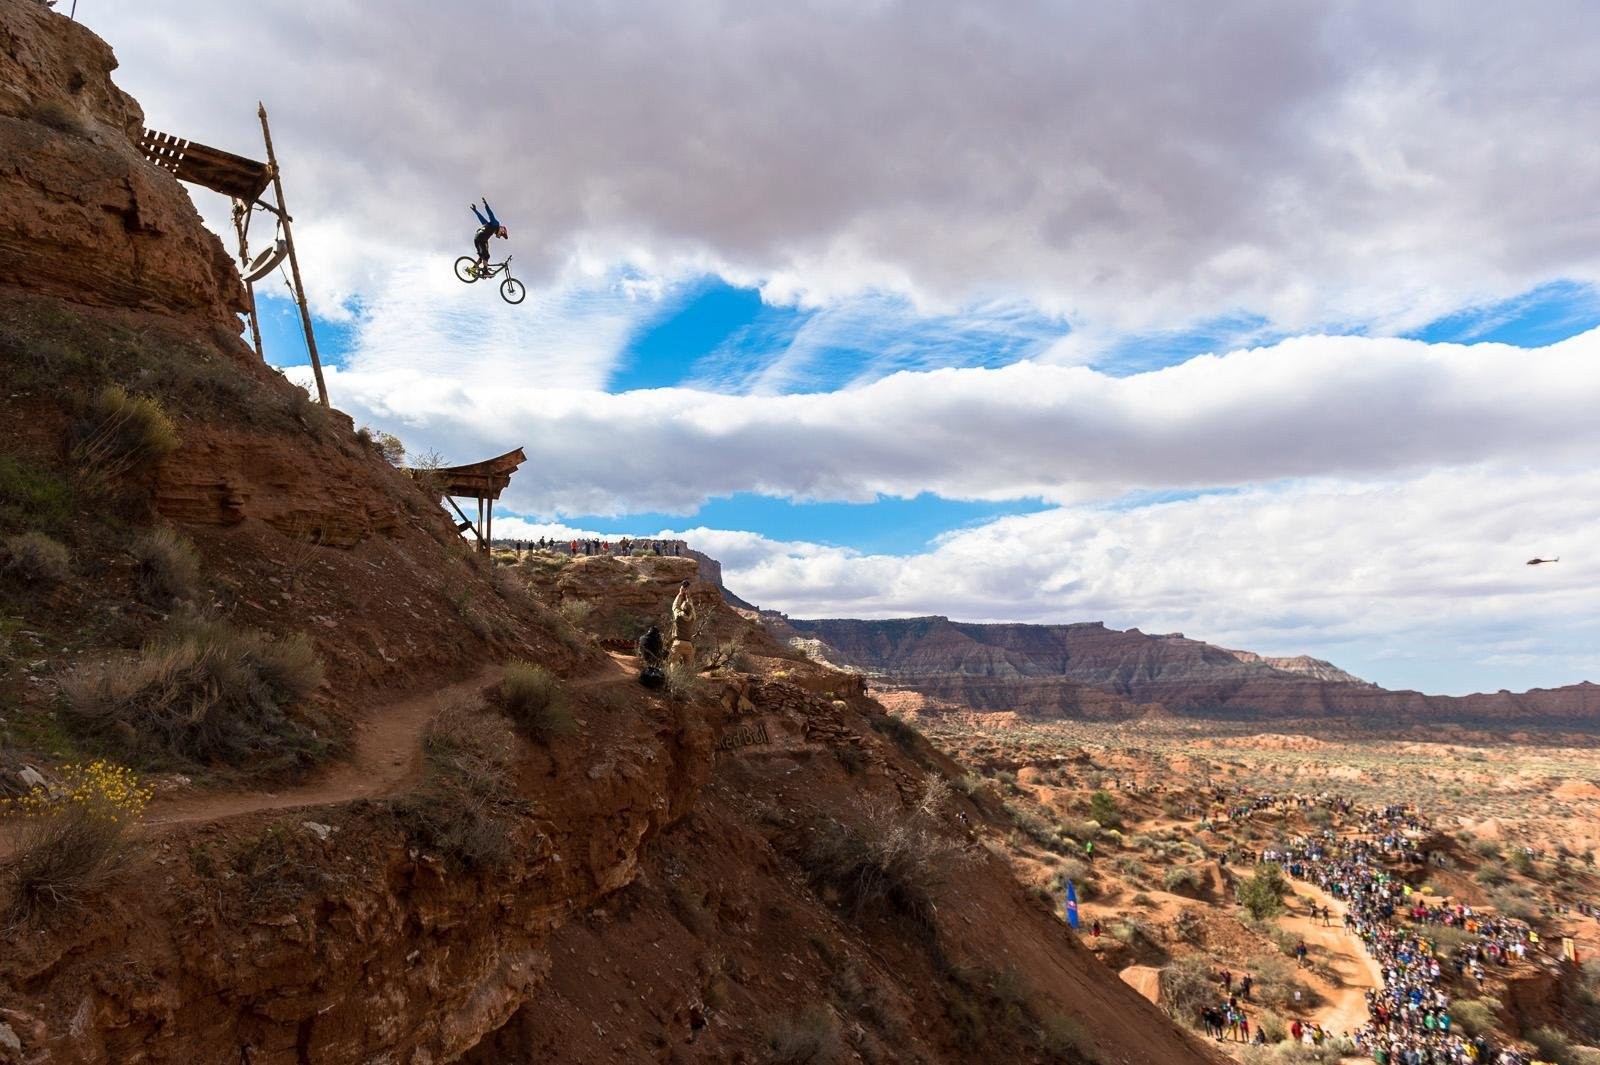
[{"x": 487, "y": 227}]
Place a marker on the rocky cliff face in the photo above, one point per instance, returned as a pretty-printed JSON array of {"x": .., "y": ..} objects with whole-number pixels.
[
  {"x": 82, "y": 216},
  {"x": 1041, "y": 669}
]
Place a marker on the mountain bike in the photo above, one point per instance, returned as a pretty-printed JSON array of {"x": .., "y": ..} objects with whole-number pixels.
[{"x": 511, "y": 290}]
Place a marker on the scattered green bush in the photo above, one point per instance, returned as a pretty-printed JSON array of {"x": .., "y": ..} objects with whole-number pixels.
[
  {"x": 1103, "y": 809},
  {"x": 1262, "y": 894},
  {"x": 37, "y": 559},
  {"x": 1179, "y": 878},
  {"x": 534, "y": 700},
  {"x": 203, "y": 692},
  {"x": 32, "y": 497}
]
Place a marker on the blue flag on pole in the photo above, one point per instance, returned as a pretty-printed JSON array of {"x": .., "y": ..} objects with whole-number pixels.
[{"x": 1072, "y": 904}]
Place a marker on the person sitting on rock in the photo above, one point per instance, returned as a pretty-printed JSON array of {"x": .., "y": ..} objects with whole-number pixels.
[
  {"x": 487, "y": 227},
  {"x": 652, "y": 649}
]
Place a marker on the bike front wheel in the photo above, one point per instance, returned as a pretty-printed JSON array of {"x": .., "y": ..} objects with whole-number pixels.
[
  {"x": 512, "y": 290},
  {"x": 466, "y": 269}
]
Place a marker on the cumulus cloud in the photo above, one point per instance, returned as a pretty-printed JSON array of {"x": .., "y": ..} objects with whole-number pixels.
[
  {"x": 1311, "y": 406},
  {"x": 1132, "y": 166},
  {"x": 1415, "y": 581}
]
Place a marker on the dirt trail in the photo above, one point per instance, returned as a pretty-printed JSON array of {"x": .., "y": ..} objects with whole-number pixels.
[
  {"x": 1345, "y": 1005},
  {"x": 387, "y": 756}
]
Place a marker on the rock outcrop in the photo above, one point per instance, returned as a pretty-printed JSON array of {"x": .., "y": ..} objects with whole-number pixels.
[
  {"x": 1042, "y": 669},
  {"x": 82, "y": 215}
]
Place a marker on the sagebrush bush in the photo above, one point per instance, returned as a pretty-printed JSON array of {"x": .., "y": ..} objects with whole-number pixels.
[
  {"x": 683, "y": 683},
  {"x": 169, "y": 569},
  {"x": 458, "y": 825},
  {"x": 534, "y": 700},
  {"x": 37, "y": 559},
  {"x": 890, "y": 859},
  {"x": 471, "y": 748},
  {"x": 203, "y": 692},
  {"x": 121, "y": 432},
  {"x": 577, "y": 611},
  {"x": 60, "y": 860},
  {"x": 73, "y": 837},
  {"x": 810, "y": 1037}
]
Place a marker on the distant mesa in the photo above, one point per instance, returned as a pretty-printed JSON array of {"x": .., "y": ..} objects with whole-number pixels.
[{"x": 1086, "y": 670}]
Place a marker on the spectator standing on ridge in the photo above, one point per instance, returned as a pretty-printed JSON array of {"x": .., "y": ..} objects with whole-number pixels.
[{"x": 683, "y": 615}]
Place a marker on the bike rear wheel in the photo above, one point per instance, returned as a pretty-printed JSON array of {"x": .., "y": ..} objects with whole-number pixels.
[
  {"x": 512, "y": 290},
  {"x": 465, "y": 269}
]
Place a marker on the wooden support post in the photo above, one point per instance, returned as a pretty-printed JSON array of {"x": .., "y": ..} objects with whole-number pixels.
[
  {"x": 488, "y": 531},
  {"x": 241, "y": 216},
  {"x": 294, "y": 262}
]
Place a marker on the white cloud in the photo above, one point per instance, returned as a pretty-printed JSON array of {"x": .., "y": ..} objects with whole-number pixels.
[
  {"x": 1415, "y": 581},
  {"x": 1311, "y": 406},
  {"x": 1135, "y": 166}
]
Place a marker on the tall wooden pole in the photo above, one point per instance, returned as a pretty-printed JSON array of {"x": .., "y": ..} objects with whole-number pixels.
[{"x": 294, "y": 263}]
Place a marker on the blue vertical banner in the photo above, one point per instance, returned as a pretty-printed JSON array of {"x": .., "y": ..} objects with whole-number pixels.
[{"x": 1072, "y": 904}]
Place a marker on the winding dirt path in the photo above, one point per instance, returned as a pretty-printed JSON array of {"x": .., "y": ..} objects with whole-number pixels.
[
  {"x": 385, "y": 759},
  {"x": 1344, "y": 1008}
]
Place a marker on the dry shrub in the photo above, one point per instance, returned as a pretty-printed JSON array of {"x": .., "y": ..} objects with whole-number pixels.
[
  {"x": 691, "y": 910},
  {"x": 37, "y": 559},
  {"x": 810, "y": 1037},
  {"x": 60, "y": 860},
  {"x": 169, "y": 569},
  {"x": 72, "y": 836},
  {"x": 310, "y": 414},
  {"x": 683, "y": 683},
  {"x": 729, "y": 654},
  {"x": 460, "y": 813},
  {"x": 280, "y": 867},
  {"x": 119, "y": 434},
  {"x": 892, "y": 859},
  {"x": 470, "y": 748},
  {"x": 204, "y": 692},
  {"x": 389, "y": 446},
  {"x": 511, "y": 586},
  {"x": 534, "y": 700},
  {"x": 577, "y": 611},
  {"x": 1474, "y": 1015},
  {"x": 1064, "y": 1038},
  {"x": 1187, "y": 985}
]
